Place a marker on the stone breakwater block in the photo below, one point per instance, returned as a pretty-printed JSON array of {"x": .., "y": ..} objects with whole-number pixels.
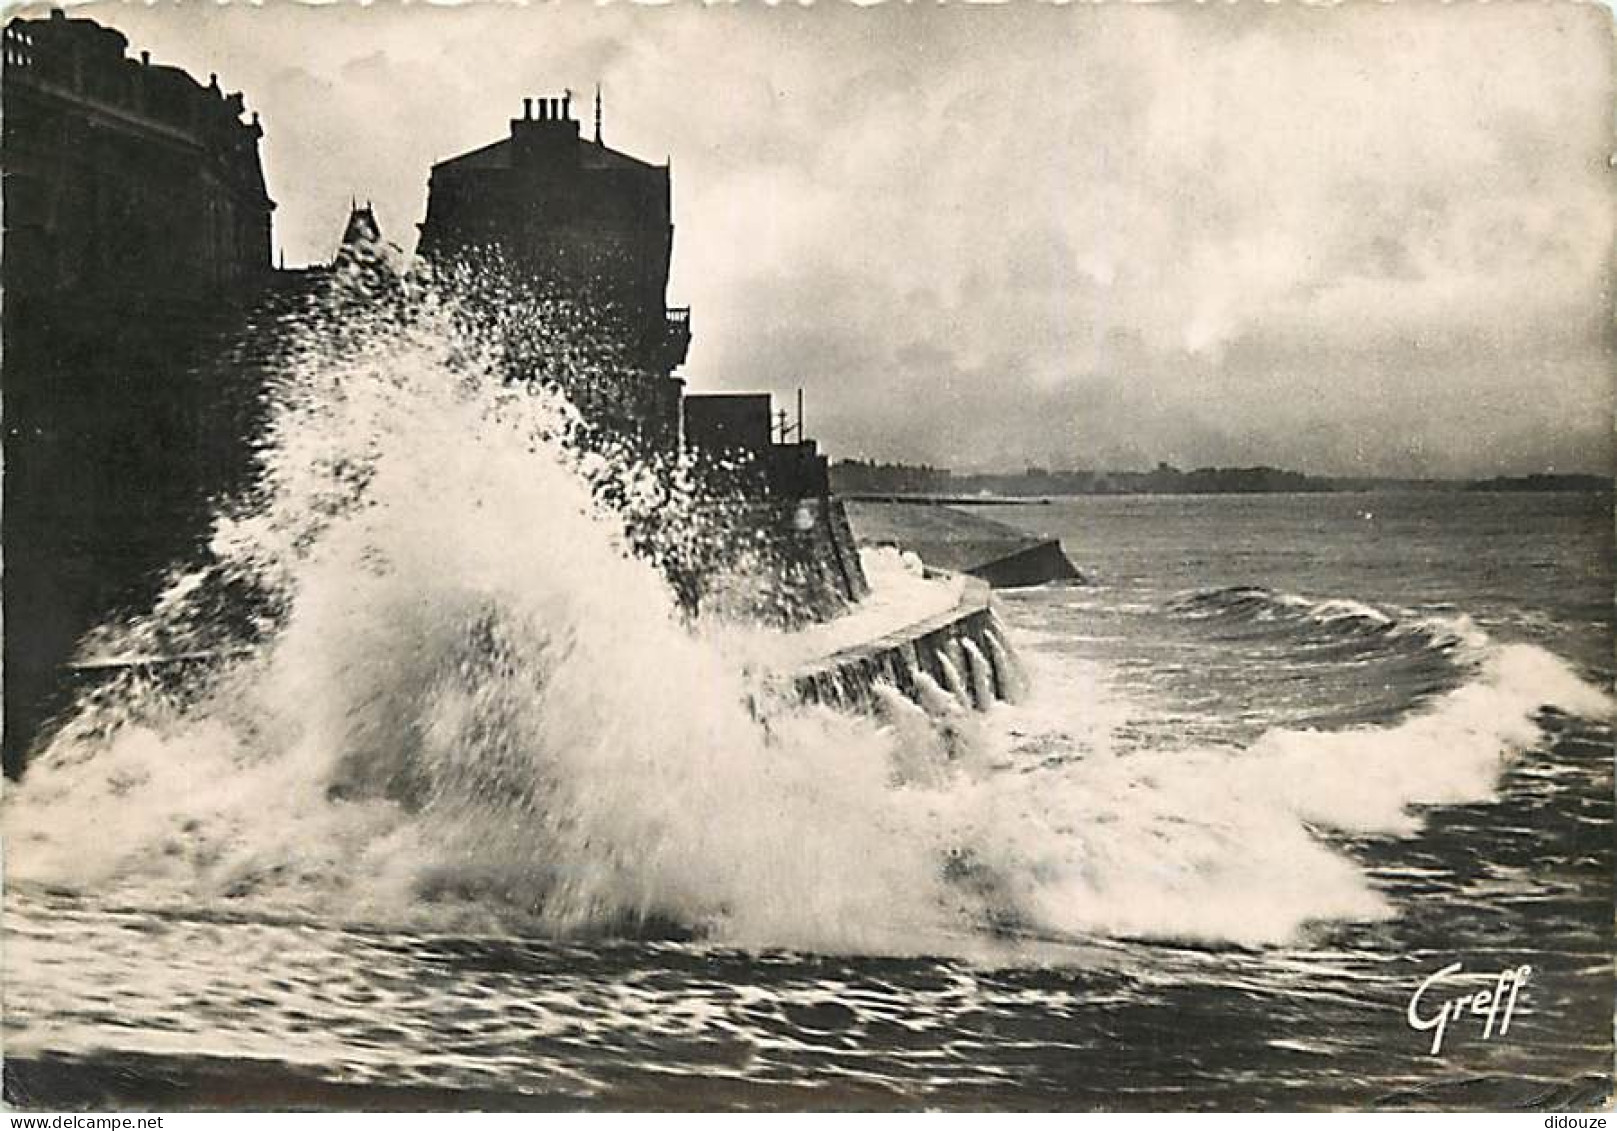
[{"x": 948, "y": 538}]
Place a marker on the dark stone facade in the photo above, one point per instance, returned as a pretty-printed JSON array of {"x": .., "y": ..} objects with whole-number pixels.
[
  {"x": 739, "y": 429},
  {"x": 140, "y": 317},
  {"x": 574, "y": 216},
  {"x": 122, "y": 176},
  {"x": 137, "y": 238},
  {"x": 730, "y": 422}
]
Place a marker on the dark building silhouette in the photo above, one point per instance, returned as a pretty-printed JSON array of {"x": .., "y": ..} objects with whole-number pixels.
[
  {"x": 141, "y": 316},
  {"x": 362, "y": 228},
  {"x": 137, "y": 239},
  {"x": 580, "y": 219},
  {"x": 363, "y": 255},
  {"x": 739, "y": 429},
  {"x": 730, "y": 422},
  {"x": 123, "y": 176}
]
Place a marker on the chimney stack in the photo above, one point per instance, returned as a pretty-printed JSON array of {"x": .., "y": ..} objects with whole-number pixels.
[
  {"x": 544, "y": 109},
  {"x": 527, "y": 109}
]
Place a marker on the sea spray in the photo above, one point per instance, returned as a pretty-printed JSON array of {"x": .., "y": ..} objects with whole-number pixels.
[
  {"x": 981, "y": 672},
  {"x": 1012, "y": 680},
  {"x": 921, "y": 754},
  {"x": 1214, "y": 842},
  {"x": 469, "y": 698},
  {"x": 1365, "y": 780},
  {"x": 952, "y": 679},
  {"x": 936, "y": 700},
  {"x": 459, "y": 691}
]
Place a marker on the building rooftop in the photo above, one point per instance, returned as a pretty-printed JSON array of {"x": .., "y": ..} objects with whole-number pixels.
[
  {"x": 499, "y": 155},
  {"x": 553, "y": 124}
]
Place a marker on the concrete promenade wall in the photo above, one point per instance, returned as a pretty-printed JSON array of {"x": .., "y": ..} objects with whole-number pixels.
[
  {"x": 948, "y": 538},
  {"x": 807, "y": 566},
  {"x": 937, "y": 646}
]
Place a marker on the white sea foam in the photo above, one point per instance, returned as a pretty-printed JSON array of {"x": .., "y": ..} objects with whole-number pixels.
[
  {"x": 1215, "y": 843},
  {"x": 478, "y": 704},
  {"x": 901, "y": 596},
  {"x": 953, "y": 681},
  {"x": 1341, "y": 609},
  {"x": 982, "y": 675},
  {"x": 473, "y": 705}
]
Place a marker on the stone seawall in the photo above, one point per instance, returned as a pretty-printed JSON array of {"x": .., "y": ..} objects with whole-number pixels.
[
  {"x": 804, "y": 568},
  {"x": 962, "y": 652}
]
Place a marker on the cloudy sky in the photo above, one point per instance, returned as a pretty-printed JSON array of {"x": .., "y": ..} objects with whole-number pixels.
[{"x": 1375, "y": 238}]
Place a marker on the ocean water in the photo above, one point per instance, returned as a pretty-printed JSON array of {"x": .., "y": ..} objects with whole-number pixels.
[
  {"x": 1313, "y": 749},
  {"x": 477, "y": 819}
]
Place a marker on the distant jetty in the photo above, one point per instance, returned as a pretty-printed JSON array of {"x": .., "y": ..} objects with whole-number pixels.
[
  {"x": 864, "y": 479},
  {"x": 1584, "y": 483},
  {"x": 948, "y": 539}
]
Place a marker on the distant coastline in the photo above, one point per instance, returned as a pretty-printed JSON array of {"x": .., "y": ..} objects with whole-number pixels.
[{"x": 933, "y": 484}]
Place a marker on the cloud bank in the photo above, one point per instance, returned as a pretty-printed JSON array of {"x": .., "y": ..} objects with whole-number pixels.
[{"x": 1362, "y": 239}]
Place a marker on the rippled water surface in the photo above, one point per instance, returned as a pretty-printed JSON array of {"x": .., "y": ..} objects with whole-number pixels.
[{"x": 1284, "y": 758}]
